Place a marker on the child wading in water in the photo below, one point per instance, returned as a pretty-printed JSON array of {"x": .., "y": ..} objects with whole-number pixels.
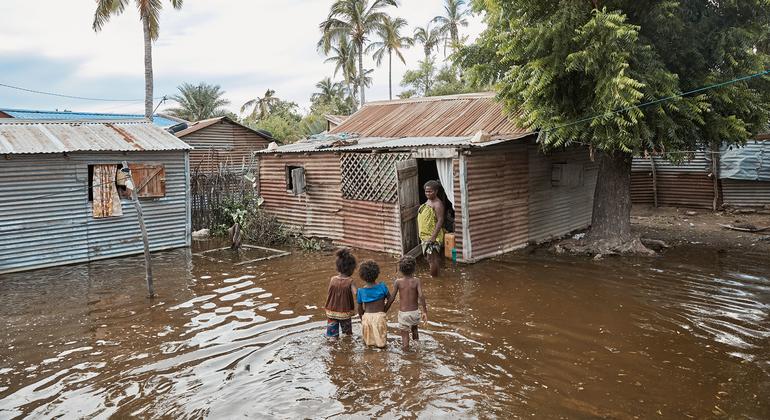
[
  {"x": 409, "y": 315},
  {"x": 340, "y": 305},
  {"x": 372, "y": 299}
]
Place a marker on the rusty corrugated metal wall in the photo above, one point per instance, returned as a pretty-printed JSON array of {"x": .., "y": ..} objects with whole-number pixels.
[
  {"x": 224, "y": 143},
  {"x": 46, "y": 218},
  {"x": 738, "y": 193},
  {"x": 371, "y": 225},
  {"x": 687, "y": 184},
  {"x": 321, "y": 211},
  {"x": 318, "y": 212},
  {"x": 557, "y": 210},
  {"x": 497, "y": 199}
]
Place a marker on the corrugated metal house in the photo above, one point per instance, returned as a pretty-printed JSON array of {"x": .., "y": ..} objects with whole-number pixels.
[
  {"x": 742, "y": 178},
  {"x": 222, "y": 142},
  {"x": 745, "y": 173},
  {"x": 161, "y": 120},
  {"x": 61, "y": 199},
  {"x": 362, "y": 184}
]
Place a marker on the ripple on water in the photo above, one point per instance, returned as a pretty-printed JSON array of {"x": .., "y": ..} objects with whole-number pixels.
[{"x": 524, "y": 335}]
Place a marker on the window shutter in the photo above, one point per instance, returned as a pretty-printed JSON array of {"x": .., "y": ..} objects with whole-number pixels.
[
  {"x": 298, "y": 181},
  {"x": 149, "y": 180}
]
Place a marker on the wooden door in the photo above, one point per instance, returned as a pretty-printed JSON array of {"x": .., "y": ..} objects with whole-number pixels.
[{"x": 409, "y": 202}]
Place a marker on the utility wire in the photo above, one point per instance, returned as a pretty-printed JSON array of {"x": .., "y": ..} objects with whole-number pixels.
[
  {"x": 72, "y": 97},
  {"x": 668, "y": 98}
]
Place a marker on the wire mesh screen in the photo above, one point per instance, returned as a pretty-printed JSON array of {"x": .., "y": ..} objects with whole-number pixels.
[{"x": 370, "y": 177}]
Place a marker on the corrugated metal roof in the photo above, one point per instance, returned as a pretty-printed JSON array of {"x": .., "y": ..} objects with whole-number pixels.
[
  {"x": 439, "y": 116},
  {"x": 28, "y": 114},
  {"x": 20, "y": 137},
  {"x": 376, "y": 143},
  {"x": 336, "y": 119},
  {"x": 199, "y": 125}
]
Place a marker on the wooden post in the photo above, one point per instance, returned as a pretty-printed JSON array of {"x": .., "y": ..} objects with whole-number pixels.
[
  {"x": 145, "y": 239},
  {"x": 654, "y": 182}
]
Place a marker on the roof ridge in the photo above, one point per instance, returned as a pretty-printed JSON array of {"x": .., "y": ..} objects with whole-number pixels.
[{"x": 457, "y": 96}]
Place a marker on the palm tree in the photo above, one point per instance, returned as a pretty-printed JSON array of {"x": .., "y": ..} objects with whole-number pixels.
[
  {"x": 262, "y": 106},
  {"x": 149, "y": 13},
  {"x": 454, "y": 17},
  {"x": 199, "y": 102},
  {"x": 428, "y": 37},
  {"x": 390, "y": 41},
  {"x": 345, "y": 61},
  {"x": 328, "y": 91},
  {"x": 355, "y": 20}
]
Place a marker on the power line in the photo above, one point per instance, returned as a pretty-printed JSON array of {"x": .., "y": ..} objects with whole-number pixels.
[
  {"x": 70, "y": 96},
  {"x": 668, "y": 98}
]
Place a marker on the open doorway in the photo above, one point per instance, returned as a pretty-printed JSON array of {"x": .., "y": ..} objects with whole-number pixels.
[{"x": 428, "y": 169}]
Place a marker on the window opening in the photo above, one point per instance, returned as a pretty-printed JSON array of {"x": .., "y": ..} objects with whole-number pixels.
[{"x": 295, "y": 179}]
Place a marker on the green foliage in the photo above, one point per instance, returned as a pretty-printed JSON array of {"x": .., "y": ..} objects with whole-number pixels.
[
  {"x": 199, "y": 102},
  {"x": 579, "y": 73},
  {"x": 429, "y": 37},
  {"x": 331, "y": 98},
  {"x": 428, "y": 81},
  {"x": 352, "y": 22},
  {"x": 284, "y": 129},
  {"x": 257, "y": 226},
  {"x": 262, "y": 106},
  {"x": 455, "y": 16}
]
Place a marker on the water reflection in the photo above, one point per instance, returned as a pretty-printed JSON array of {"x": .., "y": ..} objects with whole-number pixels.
[{"x": 685, "y": 335}]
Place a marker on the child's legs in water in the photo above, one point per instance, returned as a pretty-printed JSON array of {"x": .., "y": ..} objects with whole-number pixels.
[
  {"x": 332, "y": 327},
  {"x": 346, "y": 325},
  {"x": 415, "y": 334}
]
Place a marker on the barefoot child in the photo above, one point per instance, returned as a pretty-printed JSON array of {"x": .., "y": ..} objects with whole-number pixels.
[
  {"x": 409, "y": 315},
  {"x": 340, "y": 306},
  {"x": 372, "y": 300}
]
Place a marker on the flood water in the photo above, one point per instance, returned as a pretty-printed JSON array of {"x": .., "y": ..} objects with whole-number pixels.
[{"x": 686, "y": 335}]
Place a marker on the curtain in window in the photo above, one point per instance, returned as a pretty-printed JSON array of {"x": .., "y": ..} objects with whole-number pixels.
[
  {"x": 106, "y": 202},
  {"x": 446, "y": 176}
]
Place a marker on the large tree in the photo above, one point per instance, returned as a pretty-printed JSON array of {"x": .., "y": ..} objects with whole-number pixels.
[
  {"x": 390, "y": 41},
  {"x": 615, "y": 75},
  {"x": 149, "y": 13},
  {"x": 199, "y": 102},
  {"x": 353, "y": 20}
]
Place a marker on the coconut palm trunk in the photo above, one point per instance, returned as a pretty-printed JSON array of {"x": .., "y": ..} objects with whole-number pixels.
[
  {"x": 148, "y": 82},
  {"x": 390, "y": 75},
  {"x": 361, "y": 74}
]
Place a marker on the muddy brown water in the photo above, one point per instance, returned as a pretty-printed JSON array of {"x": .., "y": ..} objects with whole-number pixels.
[{"x": 679, "y": 336}]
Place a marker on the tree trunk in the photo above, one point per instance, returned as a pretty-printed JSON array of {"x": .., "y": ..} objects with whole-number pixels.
[
  {"x": 612, "y": 198},
  {"x": 361, "y": 74},
  {"x": 147, "y": 69},
  {"x": 390, "y": 75}
]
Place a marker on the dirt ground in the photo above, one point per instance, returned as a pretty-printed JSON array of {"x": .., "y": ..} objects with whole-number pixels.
[{"x": 680, "y": 226}]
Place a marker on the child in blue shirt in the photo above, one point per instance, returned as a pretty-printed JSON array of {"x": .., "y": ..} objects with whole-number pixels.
[{"x": 372, "y": 300}]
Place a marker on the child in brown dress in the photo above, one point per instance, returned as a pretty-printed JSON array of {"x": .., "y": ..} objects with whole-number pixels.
[{"x": 340, "y": 305}]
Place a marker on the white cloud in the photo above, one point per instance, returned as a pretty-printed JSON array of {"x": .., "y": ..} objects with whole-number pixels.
[{"x": 244, "y": 46}]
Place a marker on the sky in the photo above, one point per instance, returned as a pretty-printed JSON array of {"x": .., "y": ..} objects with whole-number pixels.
[{"x": 244, "y": 46}]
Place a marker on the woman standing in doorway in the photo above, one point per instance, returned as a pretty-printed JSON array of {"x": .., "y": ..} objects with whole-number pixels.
[{"x": 430, "y": 225}]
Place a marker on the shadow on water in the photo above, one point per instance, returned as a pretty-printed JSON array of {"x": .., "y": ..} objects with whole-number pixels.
[{"x": 685, "y": 335}]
